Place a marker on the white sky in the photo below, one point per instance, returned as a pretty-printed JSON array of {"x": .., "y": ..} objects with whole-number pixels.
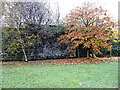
[{"x": 67, "y": 5}]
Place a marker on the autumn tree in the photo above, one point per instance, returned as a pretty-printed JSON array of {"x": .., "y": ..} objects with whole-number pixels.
[
  {"x": 17, "y": 19},
  {"x": 89, "y": 26}
]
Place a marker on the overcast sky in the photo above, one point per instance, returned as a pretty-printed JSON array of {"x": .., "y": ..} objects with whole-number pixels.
[{"x": 67, "y": 5}]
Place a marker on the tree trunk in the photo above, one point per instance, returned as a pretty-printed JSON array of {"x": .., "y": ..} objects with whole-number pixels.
[
  {"x": 78, "y": 52},
  {"x": 92, "y": 54},
  {"x": 26, "y": 59},
  {"x": 87, "y": 53},
  {"x": 22, "y": 42}
]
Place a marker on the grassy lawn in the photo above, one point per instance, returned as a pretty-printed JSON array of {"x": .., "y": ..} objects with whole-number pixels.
[{"x": 104, "y": 75}]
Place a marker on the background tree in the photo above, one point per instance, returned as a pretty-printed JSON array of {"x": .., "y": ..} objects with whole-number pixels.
[
  {"x": 18, "y": 17},
  {"x": 115, "y": 35},
  {"x": 115, "y": 51},
  {"x": 89, "y": 26}
]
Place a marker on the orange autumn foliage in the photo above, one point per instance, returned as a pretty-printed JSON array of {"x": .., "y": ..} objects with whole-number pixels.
[{"x": 88, "y": 25}]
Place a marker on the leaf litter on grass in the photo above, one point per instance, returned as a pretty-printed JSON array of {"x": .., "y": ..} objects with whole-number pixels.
[{"x": 72, "y": 61}]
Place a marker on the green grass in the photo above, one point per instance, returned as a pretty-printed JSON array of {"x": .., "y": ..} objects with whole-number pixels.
[{"x": 103, "y": 75}]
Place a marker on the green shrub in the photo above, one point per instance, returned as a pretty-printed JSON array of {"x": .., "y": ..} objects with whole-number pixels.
[{"x": 115, "y": 49}]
